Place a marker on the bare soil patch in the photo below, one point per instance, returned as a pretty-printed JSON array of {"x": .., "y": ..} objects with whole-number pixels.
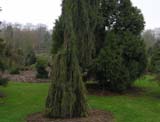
[{"x": 94, "y": 116}]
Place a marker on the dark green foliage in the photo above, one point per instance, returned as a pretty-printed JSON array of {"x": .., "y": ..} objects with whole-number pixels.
[
  {"x": 2, "y": 67},
  {"x": 121, "y": 15},
  {"x": 111, "y": 70},
  {"x": 129, "y": 18},
  {"x": 134, "y": 55},
  {"x": 17, "y": 58},
  {"x": 85, "y": 19},
  {"x": 2, "y": 47},
  {"x": 122, "y": 58},
  {"x": 57, "y": 36},
  {"x": 3, "y": 81},
  {"x": 66, "y": 97},
  {"x": 14, "y": 70},
  {"x": 108, "y": 10},
  {"x": 155, "y": 58},
  {"x": 121, "y": 61},
  {"x": 41, "y": 66},
  {"x": 30, "y": 58}
]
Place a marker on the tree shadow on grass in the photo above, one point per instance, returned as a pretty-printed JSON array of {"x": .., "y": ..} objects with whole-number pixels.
[
  {"x": 153, "y": 93},
  {"x": 2, "y": 95},
  {"x": 132, "y": 92}
]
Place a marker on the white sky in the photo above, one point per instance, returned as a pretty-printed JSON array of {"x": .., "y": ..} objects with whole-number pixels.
[{"x": 46, "y": 11}]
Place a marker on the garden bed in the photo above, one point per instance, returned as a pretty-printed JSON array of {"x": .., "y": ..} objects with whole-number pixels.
[{"x": 25, "y": 76}]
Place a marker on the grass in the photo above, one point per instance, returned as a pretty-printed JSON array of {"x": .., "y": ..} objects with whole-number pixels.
[{"x": 24, "y": 98}]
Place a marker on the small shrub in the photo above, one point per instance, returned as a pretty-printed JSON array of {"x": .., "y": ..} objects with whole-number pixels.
[
  {"x": 30, "y": 58},
  {"x": 2, "y": 66},
  {"x": 41, "y": 69},
  {"x": 33, "y": 66},
  {"x": 14, "y": 70},
  {"x": 3, "y": 81}
]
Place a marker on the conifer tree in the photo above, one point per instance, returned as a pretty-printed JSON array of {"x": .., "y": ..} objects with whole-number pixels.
[
  {"x": 129, "y": 18},
  {"x": 66, "y": 97},
  {"x": 58, "y": 35},
  {"x": 2, "y": 47},
  {"x": 85, "y": 18},
  {"x": 111, "y": 70},
  {"x": 127, "y": 23},
  {"x": 3, "y": 81},
  {"x": 85, "y": 32},
  {"x": 134, "y": 55},
  {"x": 155, "y": 58}
]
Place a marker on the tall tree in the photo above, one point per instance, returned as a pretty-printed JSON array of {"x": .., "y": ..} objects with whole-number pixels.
[
  {"x": 134, "y": 55},
  {"x": 127, "y": 23},
  {"x": 85, "y": 18},
  {"x": 3, "y": 81},
  {"x": 66, "y": 97},
  {"x": 2, "y": 47},
  {"x": 111, "y": 70}
]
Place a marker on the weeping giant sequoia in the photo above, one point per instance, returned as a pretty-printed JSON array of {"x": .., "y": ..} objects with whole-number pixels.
[
  {"x": 79, "y": 37},
  {"x": 66, "y": 98},
  {"x": 84, "y": 18}
]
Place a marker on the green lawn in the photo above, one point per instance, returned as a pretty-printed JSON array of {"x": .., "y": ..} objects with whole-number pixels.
[{"x": 24, "y": 98}]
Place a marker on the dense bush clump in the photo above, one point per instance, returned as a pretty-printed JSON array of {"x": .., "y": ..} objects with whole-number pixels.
[
  {"x": 41, "y": 66},
  {"x": 14, "y": 70},
  {"x": 121, "y": 61},
  {"x": 30, "y": 58},
  {"x": 111, "y": 70},
  {"x": 122, "y": 55},
  {"x": 134, "y": 55}
]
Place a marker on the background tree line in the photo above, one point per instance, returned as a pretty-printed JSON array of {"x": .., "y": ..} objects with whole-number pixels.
[
  {"x": 24, "y": 43},
  {"x": 27, "y": 36},
  {"x": 152, "y": 41}
]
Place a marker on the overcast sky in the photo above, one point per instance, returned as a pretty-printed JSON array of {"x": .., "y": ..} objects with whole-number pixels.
[{"x": 46, "y": 11}]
